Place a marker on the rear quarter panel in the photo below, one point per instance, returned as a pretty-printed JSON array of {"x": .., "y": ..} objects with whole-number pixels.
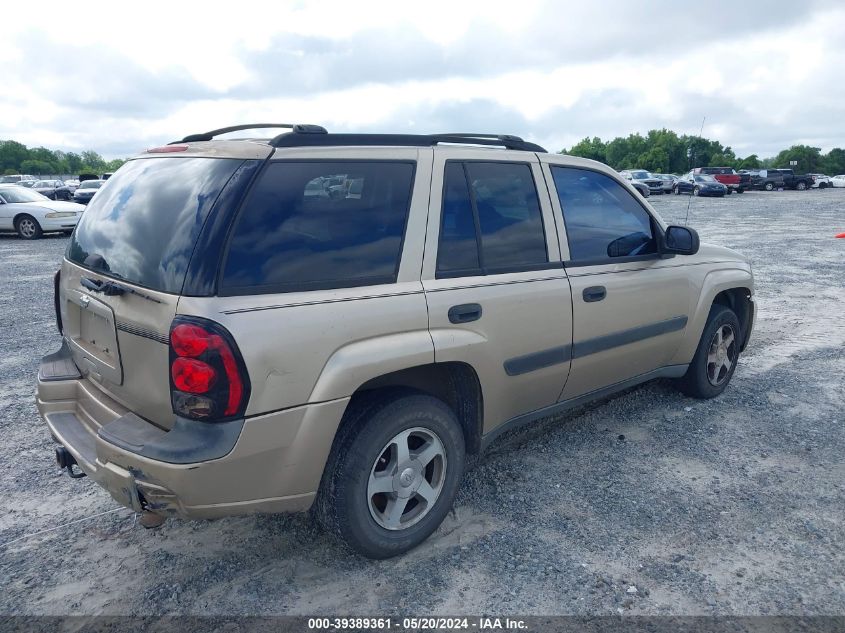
[{"x": 315, "y": 346}]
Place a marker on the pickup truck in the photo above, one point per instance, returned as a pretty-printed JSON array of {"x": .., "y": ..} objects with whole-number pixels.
[
  {"x": 764, "y": 179},
  {"x": 725, "y": 175},
  {"x": 793, "y": 181}
]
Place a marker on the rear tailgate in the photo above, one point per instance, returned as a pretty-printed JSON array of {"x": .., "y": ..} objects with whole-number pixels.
[
  {"x": 119, "y": 342},
  {"x": 124, "y": 272}
]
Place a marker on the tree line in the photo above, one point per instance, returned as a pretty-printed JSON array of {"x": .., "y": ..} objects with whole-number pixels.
[
  {"x": 665, "y": 152},
  {"x": 17, "y": 158}
]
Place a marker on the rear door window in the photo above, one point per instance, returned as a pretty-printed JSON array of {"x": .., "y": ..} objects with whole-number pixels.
[
  {"x": 319, "y": 225},
  {"x": 490, "y": 221}
]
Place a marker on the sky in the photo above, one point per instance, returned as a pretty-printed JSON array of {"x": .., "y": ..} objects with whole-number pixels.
[{"x": 127, "y": 76}]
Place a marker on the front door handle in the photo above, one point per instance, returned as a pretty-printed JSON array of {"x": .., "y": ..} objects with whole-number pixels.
[
  {"x": 465, "y": 313},
  {"x": 594, "y": 293}
]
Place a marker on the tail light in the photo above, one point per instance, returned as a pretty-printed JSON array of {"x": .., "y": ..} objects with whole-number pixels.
[{"x": 208, "y": 379}]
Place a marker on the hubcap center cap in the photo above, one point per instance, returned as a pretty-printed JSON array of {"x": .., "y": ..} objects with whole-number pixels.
[{"x": 407, "y": 477}]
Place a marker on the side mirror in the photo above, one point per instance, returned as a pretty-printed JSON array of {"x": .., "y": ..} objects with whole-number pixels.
[{"x": 680, "y": 240}]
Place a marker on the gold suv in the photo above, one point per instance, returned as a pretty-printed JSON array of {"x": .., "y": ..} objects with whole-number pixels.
[{"x": 333, "y": 321}]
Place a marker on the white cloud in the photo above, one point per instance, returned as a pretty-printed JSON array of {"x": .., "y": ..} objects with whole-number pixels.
[{"x": 554, "y": 71}]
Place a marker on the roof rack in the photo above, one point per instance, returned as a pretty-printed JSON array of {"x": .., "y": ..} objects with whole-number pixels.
[
  {"x": 308, "y": 135},
  {"x": 301, "y": 138},
  {"x": 300, "y": 128}
]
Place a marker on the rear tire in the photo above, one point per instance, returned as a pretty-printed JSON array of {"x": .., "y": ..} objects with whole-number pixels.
[
  {"x": 801, "y": 186},
  {"x": 695, "y": 191},
  {"x": 28, "y": 228},
  {"x": 769, "y": 186},
  {"x": 677, "y": 190},
  {"x": 380, "y": 499},
  {"x": 715, "y": 359}
]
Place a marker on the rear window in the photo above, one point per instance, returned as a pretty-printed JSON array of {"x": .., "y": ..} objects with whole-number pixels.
[
  {"x": 143, "y": 223},
  {"x": 317, "y": 225}
]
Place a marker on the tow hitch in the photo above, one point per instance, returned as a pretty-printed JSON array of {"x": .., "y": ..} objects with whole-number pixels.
[{"x": 66, "y": 461}]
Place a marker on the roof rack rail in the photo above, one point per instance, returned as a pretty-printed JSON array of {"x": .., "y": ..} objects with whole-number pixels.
[
  {"x": 296, "y": 138},
  {"x": 300, "y": 128}
]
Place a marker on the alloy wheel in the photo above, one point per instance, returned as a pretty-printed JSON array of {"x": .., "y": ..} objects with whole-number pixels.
[
  {"x": 406, "y": 479},
  {"x": 721, "y": 355},
  {"x": 27, "y": 228}
]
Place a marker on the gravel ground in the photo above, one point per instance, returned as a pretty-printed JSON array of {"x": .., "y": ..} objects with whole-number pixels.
[{"x": 730, "y": 506}]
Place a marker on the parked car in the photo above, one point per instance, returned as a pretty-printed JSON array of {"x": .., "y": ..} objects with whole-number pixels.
[
  {"x": 725, "y": 175},
  {"x": 86, "y": 191},
  {"x": 793, "y": 181},
  {"x": 31, "y": 214},
  {"x": 455, "y": 294},
  {"x": 26, "y": 183},
  {"x": 765, "y": 179},
  {"x": 655, "y": 185},
  {"x": 838, "y": 181},
  {"x": 72, "y": 184},
  {"x": 820, "y": 181},
  {"x": 53, "y": 189},
  {"x": 641, "y": 187},
  {"x": 669, "y": 181},
  {"x": 700, "y": 185},
  {"x": 15, "y": 178}
]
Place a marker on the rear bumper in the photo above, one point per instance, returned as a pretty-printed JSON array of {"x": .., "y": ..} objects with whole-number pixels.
[{"x": 269, "y": 463}]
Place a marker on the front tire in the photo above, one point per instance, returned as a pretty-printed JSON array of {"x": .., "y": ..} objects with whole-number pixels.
[
  {"x": 393, "y": 475},
  {"x": 715, "y": 359},
  {"x": 696, "y": 191},
  {"x": 28, "y": 228}
]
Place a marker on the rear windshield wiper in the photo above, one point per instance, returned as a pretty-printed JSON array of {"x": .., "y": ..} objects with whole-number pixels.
[{"x": 112, "y": 288}]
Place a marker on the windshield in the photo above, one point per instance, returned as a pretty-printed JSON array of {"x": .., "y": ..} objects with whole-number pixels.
[
  {"x": 705, "y": 179},
  {"x": 19, "y": 194},
  {"x": 143, "y": 225},
  {"x": 91, "y": 184},
  {"x": 640, "y": 175},
  {"x": 9, "y": 179}
]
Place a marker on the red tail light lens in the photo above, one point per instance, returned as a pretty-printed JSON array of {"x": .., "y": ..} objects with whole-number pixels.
[
  {"x": 192, "y": 376},
  {"x": 189, "y": 340},
  {"x": 208, "y": 379}
]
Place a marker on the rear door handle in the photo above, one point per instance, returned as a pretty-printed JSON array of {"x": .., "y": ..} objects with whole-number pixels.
[
  {"x": 594, "y": 293},
  {"x": 465, "y": 313}
]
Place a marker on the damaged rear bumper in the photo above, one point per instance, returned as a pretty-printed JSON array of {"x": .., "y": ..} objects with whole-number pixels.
[{"x": 268, "y": 463}]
